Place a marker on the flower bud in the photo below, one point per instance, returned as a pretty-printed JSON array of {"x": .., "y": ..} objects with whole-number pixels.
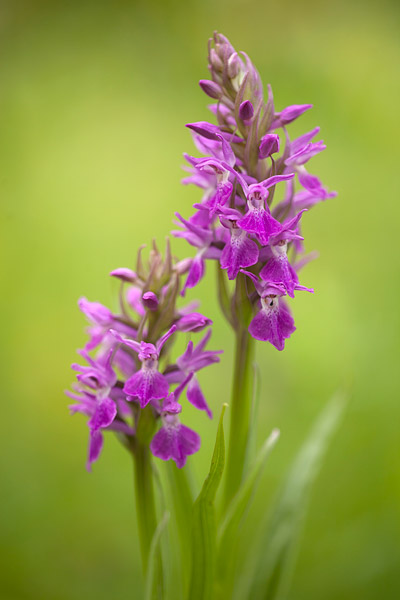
[
  {"x": 124, "y": 274},
  {"x": 246, "y": 110},
  {"x": 215, "y": 61},
  {"x": 269, "y": 145},
  {"x": 183, "y": 266},
  {"x": 233, "y": 65},
  {"x": 210, "y": 88},
  {"x": 150, "y": 300},
  {"x": 193, "y": 322}
]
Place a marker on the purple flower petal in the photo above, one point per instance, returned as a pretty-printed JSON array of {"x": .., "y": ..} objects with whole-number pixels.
[
  {"x": 147, "y": 384},
  {"x": 269, "y": 145},
  {"x": 175, "y": 441},
  {"x": 239, "y": 252},
  {"x": 273, "y": 323},
  {"x": 195, "y": 274},
  {"x": 193, "y": 322},
  {"x": 96, "y": 312},
  {"x": 124, "y": 274},
  {"x": 150, "y": 300},
  {"x": 95, "y": 447},
  {"x": 279, "y": 270},
  {"x": 104, "y": 414},
  {"x": 260, "y": 222},
  {"x": 196, "y": 397}
]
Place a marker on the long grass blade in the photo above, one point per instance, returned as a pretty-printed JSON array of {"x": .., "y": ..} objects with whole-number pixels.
[{"x": 204, "y": 532}]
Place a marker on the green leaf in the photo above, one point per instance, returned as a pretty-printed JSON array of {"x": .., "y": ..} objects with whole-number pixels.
[
  {"x": 204, "y": 527},
  {"x": 154, "y": 583},
  {"x": 227, "y": 534},
  {"x": 275, "y": 559},
  {"x": 182, "y": 501}
]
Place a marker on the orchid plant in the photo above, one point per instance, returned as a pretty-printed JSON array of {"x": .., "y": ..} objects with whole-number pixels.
[{"x": 133, "y": 382}]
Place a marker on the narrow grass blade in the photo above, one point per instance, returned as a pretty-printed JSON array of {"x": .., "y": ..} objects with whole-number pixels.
[
  {"x": 204, "y": 528},
  {"x": 275, "y": 559},
  {"x": 181, "y": 501},
  {"x": 227, "y": 534},
  {"x": 154, "y": 583}
]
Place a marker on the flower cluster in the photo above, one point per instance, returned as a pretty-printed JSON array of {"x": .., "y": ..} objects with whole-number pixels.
[
  {"x": 245, "y": 157},
  {"x": 129, "y": 370}
]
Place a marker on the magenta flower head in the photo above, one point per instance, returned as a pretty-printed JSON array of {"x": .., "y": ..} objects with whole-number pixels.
[
  {"x": 132, "y": 372},
  {"x": 247, "y": 155}
]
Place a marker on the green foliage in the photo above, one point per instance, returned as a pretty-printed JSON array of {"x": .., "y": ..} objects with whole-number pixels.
[
  {"x": 228, "y": 530},
  {"x": 154, "y": 577},
  {"x": 204, "y": 527},
  {"x": 275, "y": 558}
]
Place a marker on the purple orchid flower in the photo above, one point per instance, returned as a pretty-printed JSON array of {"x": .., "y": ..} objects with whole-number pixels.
[
  {"x": 278, "y": 269},
  {"x": 192, "y": 360},
  {"x": 273, "y": 323},
  {"x": 147, "y": 383},
  {"x": 240, "y": 251},
  {"x": 202, "y": 239},
  {"x": 94, "y": 388},
  {"x": 174, "y": 440},
  {"x": 258, "y": 219}
]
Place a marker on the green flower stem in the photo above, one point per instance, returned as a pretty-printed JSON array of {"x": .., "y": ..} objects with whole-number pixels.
[
  {"x": 240, "y": 412},
  {"x": 144, "y": 493}
]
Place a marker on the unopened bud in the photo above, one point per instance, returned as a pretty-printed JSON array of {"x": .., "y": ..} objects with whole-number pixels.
[
  {"x": 246, "y": 110},
  {"x": 124, "y": 274},
  {"x": 193, "y": 322},
  {"x": 210, "y": 88},
  {"x": 183, "y": 266},
  {"x": 269, "y": 145},
  {"x": 233, "y": 65},
  {"x": 215, "y": 61},
  {"x": 150, "y": 300}
]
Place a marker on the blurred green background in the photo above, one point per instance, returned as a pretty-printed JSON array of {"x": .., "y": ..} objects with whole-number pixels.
[{"x": 94, "y": 99}]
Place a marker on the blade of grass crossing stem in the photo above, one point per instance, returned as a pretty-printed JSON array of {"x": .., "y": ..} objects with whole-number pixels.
[
  {"x": 204, "y": 535},
  {"x": 275, "y": 559},
  {"x": 255, "y": 402},
  {"x": 227, "y": 534},
  {"x": 153, "y": 586},
  {"x": 182, "y": 502}
]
